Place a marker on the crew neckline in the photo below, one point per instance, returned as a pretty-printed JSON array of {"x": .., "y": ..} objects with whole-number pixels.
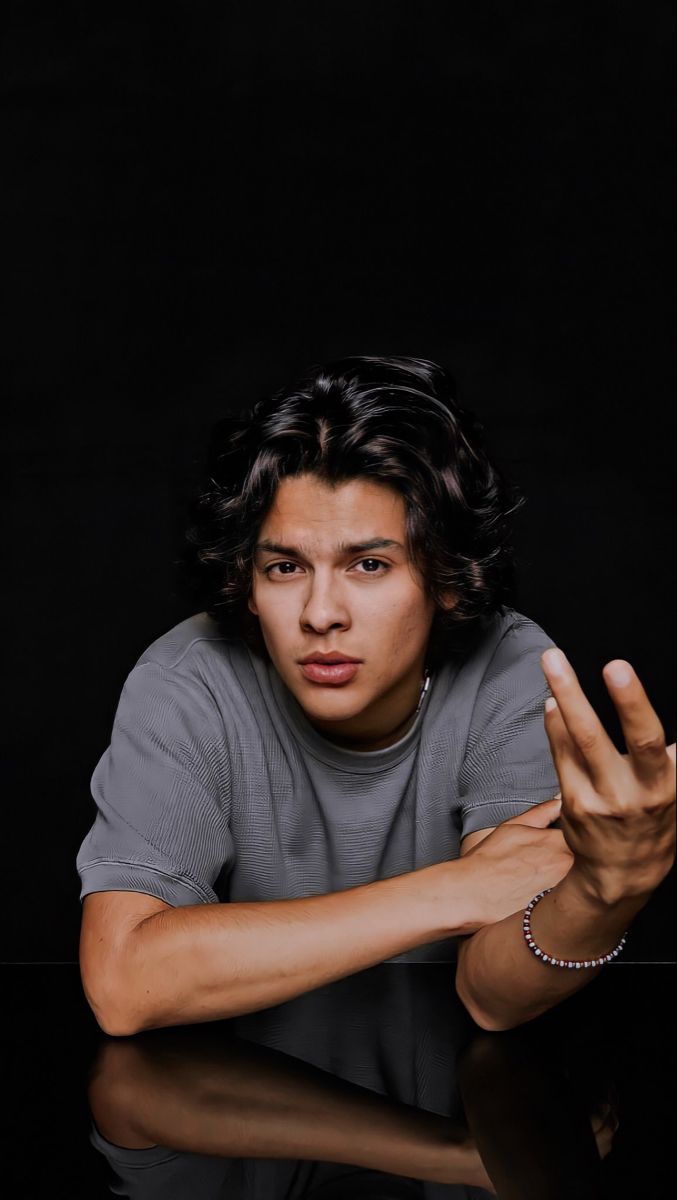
[{"x": 353, "y": 761}]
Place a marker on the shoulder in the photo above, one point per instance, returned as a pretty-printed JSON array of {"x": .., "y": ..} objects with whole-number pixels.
[
  {"x": 192, "y": 668},
  {"x": 514, "y": 639},
  {"x": 182, "y": 645},
  {"x": 502, "y": 671},
  {"x": 197, "y": 650},
  {"x": 505, "y": 665},
  {"x": 507, "y": 638}
]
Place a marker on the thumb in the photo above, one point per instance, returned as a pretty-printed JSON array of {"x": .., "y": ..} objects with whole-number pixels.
[{"x": 540, "y": 816}]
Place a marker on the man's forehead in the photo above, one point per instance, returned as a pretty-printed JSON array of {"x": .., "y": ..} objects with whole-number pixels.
[
  {"x": 312, "y": 516},
  {"x": 313, "y": 506}
]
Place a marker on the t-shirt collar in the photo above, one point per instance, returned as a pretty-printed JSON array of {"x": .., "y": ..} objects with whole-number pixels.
[{"x": 354, "y": 761}]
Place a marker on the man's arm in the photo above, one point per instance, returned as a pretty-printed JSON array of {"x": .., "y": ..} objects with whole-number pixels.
[
  {"x": 618, "y": 820},
  {"x": 500, "y": 981},
  {"x": 146, "y": 964}
]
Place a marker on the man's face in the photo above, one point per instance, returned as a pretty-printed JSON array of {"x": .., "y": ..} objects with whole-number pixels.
[{"x": 314, "y": 589}]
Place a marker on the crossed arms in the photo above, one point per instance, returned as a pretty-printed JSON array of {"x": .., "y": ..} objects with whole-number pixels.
[{"x": 146, "y": 964}]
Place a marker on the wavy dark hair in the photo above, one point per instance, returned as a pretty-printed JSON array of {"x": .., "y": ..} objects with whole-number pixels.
[{"x": 389, "y": 419}]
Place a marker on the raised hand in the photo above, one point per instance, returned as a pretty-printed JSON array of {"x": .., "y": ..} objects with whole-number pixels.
[{"x": 618, "y": 810}]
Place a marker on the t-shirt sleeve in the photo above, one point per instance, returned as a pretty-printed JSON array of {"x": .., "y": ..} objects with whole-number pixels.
[
  {"x": 508, "y": 764},
  {"x": 162, "y": 792}
]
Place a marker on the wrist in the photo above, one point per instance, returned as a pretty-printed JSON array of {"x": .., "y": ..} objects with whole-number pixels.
[
  {"x": 451, "y": 894},
  {"x": 589, "y": 960},
  {"x": 603, "y": 889},
  {"x": 568, "y": 925}
]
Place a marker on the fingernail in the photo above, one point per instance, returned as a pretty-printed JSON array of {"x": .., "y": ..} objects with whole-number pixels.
[
  {"x": 550, "y": 704},
  {"x": 555, "y": 662},
  {"x": 619, "y": 673}
]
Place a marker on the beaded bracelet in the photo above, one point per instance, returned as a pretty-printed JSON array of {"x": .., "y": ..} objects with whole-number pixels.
[{"x": 562, "y": 962}]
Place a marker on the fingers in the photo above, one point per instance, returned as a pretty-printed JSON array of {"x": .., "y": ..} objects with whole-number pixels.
[
  {"x": 540, "y": 815},
  {"x": 642, "y": 730},
  {"x": 593, "y": 751},
  {"x": 569, "y": 762}
]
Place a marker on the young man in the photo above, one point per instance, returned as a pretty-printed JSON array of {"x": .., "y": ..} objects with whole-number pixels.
[{"x": 347, "y": 757}]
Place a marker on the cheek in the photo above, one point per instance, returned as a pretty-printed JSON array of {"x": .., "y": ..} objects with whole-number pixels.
[
  {"x": 277, "y": 611},
  {"x": 405, "y": 619}
]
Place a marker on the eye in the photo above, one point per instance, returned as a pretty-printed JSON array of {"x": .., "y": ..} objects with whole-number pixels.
[
  {"x": 374, "y": 562},
  {"x": 272, "y": 567}
]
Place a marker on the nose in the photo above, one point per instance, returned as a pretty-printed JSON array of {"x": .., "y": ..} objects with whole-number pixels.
[{"x": 325, "y": 607}]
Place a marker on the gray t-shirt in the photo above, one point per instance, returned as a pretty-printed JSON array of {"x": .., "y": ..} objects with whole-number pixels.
[{"x": 216, "y": 787}]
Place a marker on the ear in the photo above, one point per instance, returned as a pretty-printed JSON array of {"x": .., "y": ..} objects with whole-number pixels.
[
  {"x": 449, "y": 601},
  {"x": 251, "y": 605}
]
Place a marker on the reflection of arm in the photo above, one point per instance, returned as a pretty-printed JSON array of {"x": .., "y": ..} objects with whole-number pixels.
[
  {"x": 533, "y": 1132},
  {"x": 238, "y": 1100}
]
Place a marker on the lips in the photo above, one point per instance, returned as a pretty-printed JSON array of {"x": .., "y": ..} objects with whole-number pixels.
[
  {"x": 332, "y": 673},
  {"x": 332, "y": 656},
  {"x": 330, "y": 668}
]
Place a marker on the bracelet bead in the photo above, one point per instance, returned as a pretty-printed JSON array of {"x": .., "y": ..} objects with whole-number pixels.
[{"x": 567, "y": 963}]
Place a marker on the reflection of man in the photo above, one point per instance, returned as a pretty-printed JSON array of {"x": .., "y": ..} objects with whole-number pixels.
[
  {"x": 343, "y": 1077},
  {"x": 388, "y": 803},
  {"x": 338, "y": 1088}
]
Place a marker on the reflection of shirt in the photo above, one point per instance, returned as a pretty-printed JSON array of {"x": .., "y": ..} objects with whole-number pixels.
[{"x": 215, "y": 787}]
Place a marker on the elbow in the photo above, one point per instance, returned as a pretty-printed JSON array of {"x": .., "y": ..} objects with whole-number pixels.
[
  {"x": 112, "y": 1015},
  {"x": 112, "y": 1019},
  {"x": 116, "y": 1026},
  {"x": 486, "y": 1021},
  {"x": 491, "y": 1022}
]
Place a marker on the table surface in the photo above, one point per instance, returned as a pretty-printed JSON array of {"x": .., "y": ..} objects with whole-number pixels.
[{"x": 363, "y": 1088}]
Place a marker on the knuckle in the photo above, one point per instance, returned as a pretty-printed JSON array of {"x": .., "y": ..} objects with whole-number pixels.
[
  {"x": 650, "y": 743},
  {"x": 658, "y": 791},
  {"x": 655, "y": 806},
  {"x": 576, "y": 809},
  {"x": 587, "y": 738}
]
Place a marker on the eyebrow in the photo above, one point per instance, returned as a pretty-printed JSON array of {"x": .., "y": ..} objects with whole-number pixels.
[{"x": 342, "y": 549}]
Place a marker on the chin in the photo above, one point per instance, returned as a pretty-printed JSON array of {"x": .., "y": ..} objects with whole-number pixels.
[{"x": 329, "y": 706}]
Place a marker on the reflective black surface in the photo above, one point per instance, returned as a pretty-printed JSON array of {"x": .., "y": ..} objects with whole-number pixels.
[{"x": 377, "y": 1086}]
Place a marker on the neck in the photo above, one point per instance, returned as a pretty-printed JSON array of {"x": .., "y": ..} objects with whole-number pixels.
[{"x": 367, "y": 740}]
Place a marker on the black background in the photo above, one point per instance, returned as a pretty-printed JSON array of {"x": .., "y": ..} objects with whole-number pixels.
[{"x": 199, "y": 200}]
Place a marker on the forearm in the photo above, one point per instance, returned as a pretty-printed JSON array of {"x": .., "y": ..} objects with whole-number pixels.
[
  {"x": 214, "y": 961},
  {"x": 503, "y": 984}
]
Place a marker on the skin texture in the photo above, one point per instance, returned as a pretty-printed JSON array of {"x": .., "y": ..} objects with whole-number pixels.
[{"x": 369, "y": 605}]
